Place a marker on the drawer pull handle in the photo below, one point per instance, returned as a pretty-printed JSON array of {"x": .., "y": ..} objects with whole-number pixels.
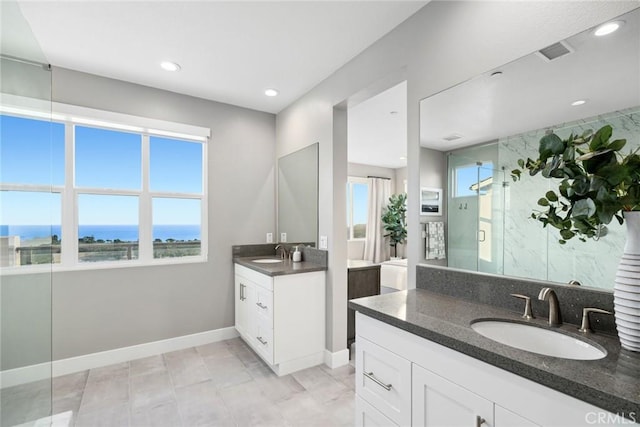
[
  {"x": 259, "y": 304},
  {"x": 263, "y": 342},
  {"x": 480, "y": 421},
  {"x": 242, "y": 297},
  {"x": 377, "y": 381}
]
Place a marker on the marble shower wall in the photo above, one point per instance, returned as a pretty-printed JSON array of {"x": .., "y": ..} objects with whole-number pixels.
[{"x": 533, "y": 251}]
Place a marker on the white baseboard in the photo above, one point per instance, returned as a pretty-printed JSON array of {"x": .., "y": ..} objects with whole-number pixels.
[
  {"x": 27, "y": 374},
  {"x": 337, "y": 359},
  {"x": 290, "y": 366}
]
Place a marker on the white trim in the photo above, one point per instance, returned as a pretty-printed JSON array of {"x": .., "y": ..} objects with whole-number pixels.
[
  {"x": 31, "y": 107},
  {"x": 290, "y": 366},
  {"x": 17, "y": 376},
  {"x": 337, "y": 359}
]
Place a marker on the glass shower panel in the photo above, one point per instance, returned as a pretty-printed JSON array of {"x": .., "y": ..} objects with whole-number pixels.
[
  {"x": 475, "y": 215},
  {"x": 25, "y": 290},
  {"x": 490, "y": 195},
  {"x": 462, "y": 213}
]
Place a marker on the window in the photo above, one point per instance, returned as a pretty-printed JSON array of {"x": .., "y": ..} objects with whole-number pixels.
[
  {"x": 357, "y": 207},
  {"x": 471, "y": 180},
  {"x": 128, "y": 193}
]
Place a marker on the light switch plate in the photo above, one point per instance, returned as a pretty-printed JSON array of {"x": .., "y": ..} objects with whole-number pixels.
[
  {"x": 323, "y": 242},
  {"x": 283, "y": 237},
  {"x": 269, "y": 237}
]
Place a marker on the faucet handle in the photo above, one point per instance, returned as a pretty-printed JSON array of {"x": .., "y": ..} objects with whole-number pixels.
[
  {"x": 528, "y": 314},
  {"x": 586, "y": 325}
]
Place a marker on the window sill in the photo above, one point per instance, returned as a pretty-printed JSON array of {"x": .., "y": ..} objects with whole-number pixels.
[{"x": 56, "y": 268}]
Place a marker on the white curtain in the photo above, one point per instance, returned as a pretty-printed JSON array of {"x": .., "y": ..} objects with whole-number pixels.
[{"x": 376, "y": 247}]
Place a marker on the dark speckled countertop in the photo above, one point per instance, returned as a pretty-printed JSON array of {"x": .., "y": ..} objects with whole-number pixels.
[
  {"x": 611, "y": 383},
  {"x": 280, "y": 268}
]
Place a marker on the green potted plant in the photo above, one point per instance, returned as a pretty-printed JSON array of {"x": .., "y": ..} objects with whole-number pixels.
[
  {"x": 595, "y": 184},
  {"x": 394, "y": 220}
]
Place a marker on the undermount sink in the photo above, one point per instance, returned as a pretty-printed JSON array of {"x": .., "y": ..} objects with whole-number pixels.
[
  {"x": 266, "y": 261},
  {"x": 537, "y": 340}
]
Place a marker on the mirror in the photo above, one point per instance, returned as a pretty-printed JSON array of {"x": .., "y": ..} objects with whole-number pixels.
[
  {"x": 298, "y": 195},
  {"x": 486, "y": 124}
]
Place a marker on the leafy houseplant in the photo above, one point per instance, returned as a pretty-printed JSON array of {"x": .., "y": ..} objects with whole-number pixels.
[
  {"x": 596, "y": 182},
  {"x": 394, "y": 220}
]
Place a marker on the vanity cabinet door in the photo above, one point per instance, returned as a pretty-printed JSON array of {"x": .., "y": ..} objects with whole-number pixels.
[
  {"x": 506, "y": 418},
  {"x": 437, "y": 402},
  {"x": 245, "y": 299}
]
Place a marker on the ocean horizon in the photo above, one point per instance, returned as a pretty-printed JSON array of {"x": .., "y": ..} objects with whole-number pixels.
[{"x": 125, "y": 233}]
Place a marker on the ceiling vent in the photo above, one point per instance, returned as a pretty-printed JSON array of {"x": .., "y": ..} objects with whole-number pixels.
[
  {"x": 555, "y": 51},
  {"x": 452, "y": 137}
]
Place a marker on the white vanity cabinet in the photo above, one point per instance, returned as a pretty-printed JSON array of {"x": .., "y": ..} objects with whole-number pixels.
[
  {"x": 448, "y": 388},
  {"x": 282, "y": 317}
]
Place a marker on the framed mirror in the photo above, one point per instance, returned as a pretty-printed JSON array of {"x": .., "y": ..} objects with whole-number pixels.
[
  {"x": 486, "y": 124},
  {"x": 298, "y": 196}
]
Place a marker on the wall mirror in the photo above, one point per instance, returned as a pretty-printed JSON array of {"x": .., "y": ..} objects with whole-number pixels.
[
  {"x": 486, "y": 124},
  {"x": 298, "y": 196}
]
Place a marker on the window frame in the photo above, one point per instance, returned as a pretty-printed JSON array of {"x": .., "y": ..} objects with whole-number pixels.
[
  {"x": 350, "y": 181},
  {"x": 70, "y": 116}
]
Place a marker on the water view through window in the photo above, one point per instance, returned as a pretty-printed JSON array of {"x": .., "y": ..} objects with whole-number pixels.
[{"x": 110, "y": 202}]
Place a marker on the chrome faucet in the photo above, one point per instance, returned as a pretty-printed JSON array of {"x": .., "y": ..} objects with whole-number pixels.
[
  {"x": 548, "y": 294},
  {"x": 284, "y": 253}
]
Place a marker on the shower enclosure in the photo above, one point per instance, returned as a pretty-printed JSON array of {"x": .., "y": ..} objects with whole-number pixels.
[
  {"x": 475, "y": 213},
  {"x": 27, "y": 202}
]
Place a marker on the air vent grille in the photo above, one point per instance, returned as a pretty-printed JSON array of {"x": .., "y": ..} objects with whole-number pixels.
[
  {"x": 555, "y": 51},
  {"x": 452, "y": 137}
]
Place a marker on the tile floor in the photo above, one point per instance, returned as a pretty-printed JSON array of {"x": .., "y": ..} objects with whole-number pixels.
[{"x": 219, "y": 384}]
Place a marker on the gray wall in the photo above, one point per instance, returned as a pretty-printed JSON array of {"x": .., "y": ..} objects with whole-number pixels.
[
  {"x": 102, "y": 309},
  {"x": 443, "y": 44},
  {"x": 433, "y": 173}
]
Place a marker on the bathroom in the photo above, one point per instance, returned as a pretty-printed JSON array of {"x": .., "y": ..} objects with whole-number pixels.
[{"x": 96, "y": 312}]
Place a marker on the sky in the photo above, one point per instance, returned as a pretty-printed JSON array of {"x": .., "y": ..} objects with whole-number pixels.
[
  {"x": 32, "y": 152},
  {"x": 360, "y": 195},
  {"x": 470, "y": 175}
]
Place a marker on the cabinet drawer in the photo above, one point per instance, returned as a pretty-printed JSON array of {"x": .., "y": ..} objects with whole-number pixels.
[
  {"x": 368, "y": 416},
  {"x": 264, "y": 341},
  {"x": 264, "y": 306},
  {"x": 383, "y": 379}
]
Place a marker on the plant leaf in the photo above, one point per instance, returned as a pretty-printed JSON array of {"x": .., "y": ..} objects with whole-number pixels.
[{"x": 583, "y": 208}]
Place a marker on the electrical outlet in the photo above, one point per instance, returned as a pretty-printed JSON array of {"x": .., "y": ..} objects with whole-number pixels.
[
  {"x": 323, "y": 242},
  {"x": 269, "y": 237},
  {"x": 283, "y": 237}
]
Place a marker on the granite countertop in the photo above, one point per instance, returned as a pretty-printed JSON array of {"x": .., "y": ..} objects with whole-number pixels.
[
  {"x": 611, "y": 383},
  {"x": 279, "y": 268}
]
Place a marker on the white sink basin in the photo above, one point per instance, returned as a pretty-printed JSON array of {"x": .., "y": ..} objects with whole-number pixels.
[
  {"x": 266, "y": 261},
  {"x": 538, "y": 340}
]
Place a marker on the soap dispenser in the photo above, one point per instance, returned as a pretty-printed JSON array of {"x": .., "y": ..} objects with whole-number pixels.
[{"x": 297, "y": 255}]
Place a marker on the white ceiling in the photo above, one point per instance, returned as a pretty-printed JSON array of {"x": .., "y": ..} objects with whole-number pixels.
[
  {"x": 229, "y": 51},
  {"x": 376, "y": 136},
  {"x": 533, "y": 93}
]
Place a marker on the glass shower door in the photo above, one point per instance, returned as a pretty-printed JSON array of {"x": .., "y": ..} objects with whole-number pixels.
[
  {"x": 490, "y": 214},
  {"x": 475, "y": 216},
  {"x": 27, "y": 213}
]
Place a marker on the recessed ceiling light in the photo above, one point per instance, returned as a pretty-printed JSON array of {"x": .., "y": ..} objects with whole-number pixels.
[
  {"x": 403, "y": 158},
  {"x": 608, "y": 28},
  {"x": 170, "y": 66},
  {"x": 578, "y": 102},
  {"x": 271, "y": 92}
]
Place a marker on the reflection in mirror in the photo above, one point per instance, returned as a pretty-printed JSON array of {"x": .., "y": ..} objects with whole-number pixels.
[
  {"x": 487, "y": 123},
  {"x": 298, "y": 195}
]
